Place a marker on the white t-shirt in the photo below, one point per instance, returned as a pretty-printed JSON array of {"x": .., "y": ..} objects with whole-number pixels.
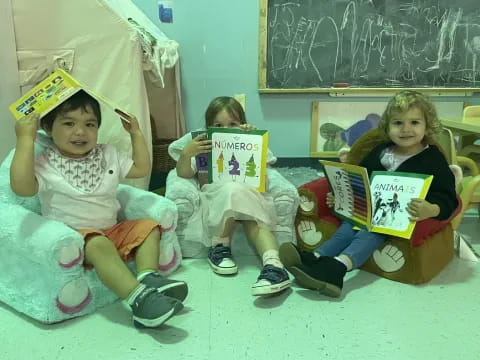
[
  {"x": 81, "y": 193},
  {"x": 392, "y": 161}
]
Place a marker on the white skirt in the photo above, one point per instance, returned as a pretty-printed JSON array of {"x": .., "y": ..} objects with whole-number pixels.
[{"x": 221, "y": 201}]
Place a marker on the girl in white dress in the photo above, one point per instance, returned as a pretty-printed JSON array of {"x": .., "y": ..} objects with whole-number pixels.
[{"x": 226, "y": 204}]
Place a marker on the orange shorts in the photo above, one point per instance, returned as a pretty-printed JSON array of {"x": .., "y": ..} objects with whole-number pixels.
[{"x": 126, "y": 235}]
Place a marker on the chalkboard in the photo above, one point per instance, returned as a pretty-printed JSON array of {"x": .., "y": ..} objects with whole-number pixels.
[{"x": 317, "y": 44}]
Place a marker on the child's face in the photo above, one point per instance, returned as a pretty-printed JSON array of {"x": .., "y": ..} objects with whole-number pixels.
[
  {"x": 407, "y": 131},
  {"x": 75, "y": 132},
  {"x": 225, "y": 120}
]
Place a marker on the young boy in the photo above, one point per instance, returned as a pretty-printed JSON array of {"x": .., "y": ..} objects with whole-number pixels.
[{"x": 76, "y": 180}]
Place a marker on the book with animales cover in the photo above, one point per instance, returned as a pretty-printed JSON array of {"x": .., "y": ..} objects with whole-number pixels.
[
  {"x": 51, "y": 92},
  {"x": 237, "y": 156},
  {"x": 378, "y": 203}
]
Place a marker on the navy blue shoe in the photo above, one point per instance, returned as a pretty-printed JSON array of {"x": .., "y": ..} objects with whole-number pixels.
[
  {"x": 271, "y": 280},
  {"x": 221, "y": 260}
]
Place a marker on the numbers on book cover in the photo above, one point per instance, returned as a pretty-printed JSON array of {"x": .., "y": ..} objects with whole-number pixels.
[{"x": 235, "y": 169}]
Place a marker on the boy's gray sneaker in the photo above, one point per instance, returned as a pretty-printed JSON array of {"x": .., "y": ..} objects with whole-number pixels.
[
  {"x": 151, "y": 308},
  {"x": 173, "y": 288}
]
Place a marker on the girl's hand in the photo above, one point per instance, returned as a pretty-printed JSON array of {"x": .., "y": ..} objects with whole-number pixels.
[
  {"x": 129, "y": 122},
  {"x": 197, "y": 146},
  {"x": 420, "y": 209},
  {"x": 247, "y": 127},
  {"x": 27, "y": 126},
  {"x": 330, "y": 200}
]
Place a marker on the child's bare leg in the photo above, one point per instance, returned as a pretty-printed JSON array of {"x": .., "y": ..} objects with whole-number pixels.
[
  {"x": 148, "y": 252},
  {"x": 226, "y": 236},
  {"x": 149, "y": 307},
  {"x": 220, "y": 255},
  {"x": 112, "y": 271},
  {"x": 260, "y": 236}
]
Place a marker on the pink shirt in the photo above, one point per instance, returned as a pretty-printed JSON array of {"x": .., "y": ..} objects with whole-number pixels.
[{"x": 81, "y": 193}]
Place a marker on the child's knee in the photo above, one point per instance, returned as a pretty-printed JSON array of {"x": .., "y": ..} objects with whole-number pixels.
[
  {"x": 156, "y": 233},
  {"x": 251, "y": 225},
  {"x": 99, "y": 244}
]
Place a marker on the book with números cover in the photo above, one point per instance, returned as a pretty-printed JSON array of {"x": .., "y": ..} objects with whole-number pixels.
[
  {"x": 377, "y": 204},
  {"x": 51, "y": 92},
  {"x": 236, "y": 156}
]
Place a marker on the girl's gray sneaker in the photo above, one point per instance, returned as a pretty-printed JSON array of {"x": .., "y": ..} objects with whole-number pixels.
[
  {"x": 151, "y": 308},
  {"x": 173, "y": 288}
]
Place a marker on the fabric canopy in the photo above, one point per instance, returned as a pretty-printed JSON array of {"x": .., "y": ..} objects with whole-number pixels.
[{"x": 113, "y": 48}]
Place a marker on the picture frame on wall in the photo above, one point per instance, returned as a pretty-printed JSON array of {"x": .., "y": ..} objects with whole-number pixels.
[{"x": 337, "y": 124}]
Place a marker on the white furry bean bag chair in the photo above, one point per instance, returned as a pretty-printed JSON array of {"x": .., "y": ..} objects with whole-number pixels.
[{"x": 41, "y": 271}]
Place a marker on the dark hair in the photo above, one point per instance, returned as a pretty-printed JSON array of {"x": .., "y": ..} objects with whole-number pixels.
[
  {"x": 227, "y": 103},
  {"x": 404, "y": 101},
  {"x": 80, "y": 100}
]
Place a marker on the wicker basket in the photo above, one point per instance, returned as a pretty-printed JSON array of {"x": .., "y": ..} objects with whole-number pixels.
[{"x": 162, "y": 162}]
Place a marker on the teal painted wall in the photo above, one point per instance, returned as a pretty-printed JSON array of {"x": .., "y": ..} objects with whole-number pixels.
[{"x": 219, "y": 56}]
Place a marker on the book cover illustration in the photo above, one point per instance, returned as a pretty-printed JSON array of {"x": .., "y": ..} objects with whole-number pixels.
[
  {"x": 349, "y": 184},
  {"x": 237, "y": 156},
  {"x": 201, "y": 161},
  {"x": 51, "y": 92},
  {"x": 377, "y": 204}
]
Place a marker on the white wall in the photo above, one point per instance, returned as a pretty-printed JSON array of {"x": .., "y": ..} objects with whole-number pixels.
[{"x": 9, "y": 89}]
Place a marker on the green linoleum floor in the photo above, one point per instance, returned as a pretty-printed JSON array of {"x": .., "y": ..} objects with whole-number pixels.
[{"x": 374, "y": 319}]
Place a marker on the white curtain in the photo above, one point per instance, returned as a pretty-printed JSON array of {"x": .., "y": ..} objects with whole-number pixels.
[{"x": 9, "y": 87}]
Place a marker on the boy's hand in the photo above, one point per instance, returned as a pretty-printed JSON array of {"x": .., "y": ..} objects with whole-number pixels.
[
  {"x": 27, "y": 126},
  {"x": 330, "y": 200},
  {"x": 247, "y": 127},
  {"x": 129, "y": 122},
  {"x": 420, "y": 209},
  {"x": 197, "y": 146}
]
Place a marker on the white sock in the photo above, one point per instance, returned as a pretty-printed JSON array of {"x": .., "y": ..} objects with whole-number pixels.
[
  {"x": 271, "y": 257},
  {"x": 347, "y": 264},
  {"x": 135, "y": 292},
  {"x": 225, "y": 241},
  {"x": 141, "y": 275}
]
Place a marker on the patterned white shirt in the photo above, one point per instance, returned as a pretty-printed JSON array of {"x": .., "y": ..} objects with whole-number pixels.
[{"x": 81, "y": 192}]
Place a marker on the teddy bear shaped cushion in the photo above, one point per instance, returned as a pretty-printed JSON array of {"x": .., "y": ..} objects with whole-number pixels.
[{"x": 415, "y": 261}]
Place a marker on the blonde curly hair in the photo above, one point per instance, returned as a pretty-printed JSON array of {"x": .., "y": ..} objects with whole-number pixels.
[{"x": 404, "y": 101}]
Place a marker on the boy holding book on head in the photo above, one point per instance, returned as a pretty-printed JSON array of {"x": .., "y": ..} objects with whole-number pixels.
[{"x": 76, "y": 180}]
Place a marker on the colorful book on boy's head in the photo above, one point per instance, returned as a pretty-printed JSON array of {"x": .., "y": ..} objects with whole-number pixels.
[
  {"x": 377, "y": 204},
  {"x": 51, "y": 92}
]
